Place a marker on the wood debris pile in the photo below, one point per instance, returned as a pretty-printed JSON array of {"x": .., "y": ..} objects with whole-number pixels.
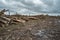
[{"x": 4, "y": 21}]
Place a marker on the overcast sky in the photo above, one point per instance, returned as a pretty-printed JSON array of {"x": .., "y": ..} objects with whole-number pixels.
[{"x": 31, "y": 6}]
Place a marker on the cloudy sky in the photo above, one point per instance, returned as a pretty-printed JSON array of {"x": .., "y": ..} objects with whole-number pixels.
[{"x": 31, "y": 6}]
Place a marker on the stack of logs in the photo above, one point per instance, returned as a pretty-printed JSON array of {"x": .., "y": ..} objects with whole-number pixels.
[{"x": 4, "y": 21}]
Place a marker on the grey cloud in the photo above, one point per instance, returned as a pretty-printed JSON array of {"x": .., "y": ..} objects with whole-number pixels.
[
  {"x": 47, "y": 6},
  {"x": 53, "y": 5}
]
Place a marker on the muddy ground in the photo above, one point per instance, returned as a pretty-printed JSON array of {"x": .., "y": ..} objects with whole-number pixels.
[{"x": 40, "y": 29}]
